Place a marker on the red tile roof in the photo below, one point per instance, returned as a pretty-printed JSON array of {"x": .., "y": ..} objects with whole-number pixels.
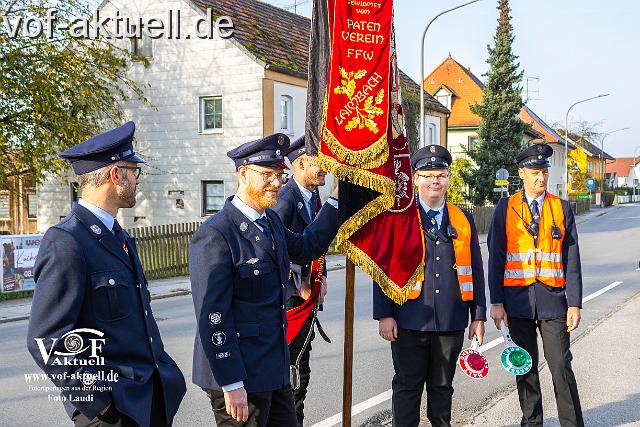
[
  {"x": 621, "y": 166},
  {"x": 467, "y": 88}
]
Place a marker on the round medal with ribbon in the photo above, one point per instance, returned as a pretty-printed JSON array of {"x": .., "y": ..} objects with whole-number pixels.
[
  {"x": 472, "y": 362},
  {"x": 515, "y": 359}
]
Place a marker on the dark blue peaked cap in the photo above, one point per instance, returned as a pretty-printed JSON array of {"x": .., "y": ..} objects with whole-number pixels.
[
  {"x": 296, "y": 149},
  {"x": 431, "y": 157},
  {"x": 535, "y": 157},
  {"x": 268, "y": 151},
  {"x": 103, "y": 150}
]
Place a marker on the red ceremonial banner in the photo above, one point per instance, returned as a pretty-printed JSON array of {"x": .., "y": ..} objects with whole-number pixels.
[
  {"x": 296, "y": 317},
  {"x": 364, "y": 143}
]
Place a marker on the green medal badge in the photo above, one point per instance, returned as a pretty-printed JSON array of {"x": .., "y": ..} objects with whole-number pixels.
[{"x": 515, "y": 359}]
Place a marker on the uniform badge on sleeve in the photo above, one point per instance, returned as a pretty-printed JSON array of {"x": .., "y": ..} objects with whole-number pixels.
[
  {"x": 223, "y": 355},
  {"x": 215, "y": 318},
  {"x": 218, "y": 338}
]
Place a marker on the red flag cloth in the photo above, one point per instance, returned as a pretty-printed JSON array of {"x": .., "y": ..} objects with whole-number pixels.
[
  {"x": 297, "y": 317},
  {"x": 364, "y": 143}
]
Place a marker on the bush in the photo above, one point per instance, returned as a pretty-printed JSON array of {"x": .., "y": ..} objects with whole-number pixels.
[{"x": 608, "y": 197}]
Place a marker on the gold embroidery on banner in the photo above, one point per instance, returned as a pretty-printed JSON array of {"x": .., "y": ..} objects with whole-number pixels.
[{"x": 365, "y": 107}]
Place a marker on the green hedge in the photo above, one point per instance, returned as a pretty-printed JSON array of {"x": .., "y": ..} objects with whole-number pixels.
[{"x": 608, "y": 197}]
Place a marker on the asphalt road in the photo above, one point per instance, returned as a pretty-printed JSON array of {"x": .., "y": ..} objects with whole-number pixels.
[{"x": 610, "y": 247}]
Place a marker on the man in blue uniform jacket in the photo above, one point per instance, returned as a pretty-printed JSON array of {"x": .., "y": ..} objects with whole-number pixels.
[
  {"x": 297, "y": 206},
  {"x": 427, "y": 331},
  {"x": 541, "y": 292},
  {"x": 91, "y": 303},
  {"x": 239, "y": 264}
]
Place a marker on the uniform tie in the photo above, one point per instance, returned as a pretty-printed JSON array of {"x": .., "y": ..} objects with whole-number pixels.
[
  {"x": 535, "y": 211},
  {"x": 117, "y": 231},
  {"x": 266, "y": 228},
  {"x": 314, "y": 205},
  {"x": 431, "y": 216}
]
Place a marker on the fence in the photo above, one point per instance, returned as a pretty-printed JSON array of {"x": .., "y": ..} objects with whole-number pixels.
[
  {"x": 482, "y": 216},
  {"x": 164, "y": 249},
  {"x": 627, "y": 199}
]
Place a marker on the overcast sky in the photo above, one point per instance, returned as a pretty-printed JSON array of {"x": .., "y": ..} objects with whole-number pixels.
[{"x": 577, "y": 49}]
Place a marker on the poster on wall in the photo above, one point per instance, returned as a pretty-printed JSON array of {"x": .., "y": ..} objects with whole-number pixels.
[{"x": 18, "y": 255}]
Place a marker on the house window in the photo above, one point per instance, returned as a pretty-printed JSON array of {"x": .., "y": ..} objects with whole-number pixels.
[
  {"x": 141, "y": 46},
  {"x": 590, "y": 166},
  {"x": 210, "y": 114},
  {"x": 4, "y": 206},
  {"x": 473, "y": 143},
  {"x": 32, "y": 206},
  {"x": 212, "y": 197},
  {"x": 433, "y": 138},
  {"x": 286, "y": 116}
]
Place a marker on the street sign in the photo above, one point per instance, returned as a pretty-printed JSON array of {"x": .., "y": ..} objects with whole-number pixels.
[
  {"x": 499, "y": 189},
  {"x": 502, "y": 174},
  {"x": 591, "y": 183},
  {"x": 584, "y": 196},
  {"x": 501, "y": 182}
]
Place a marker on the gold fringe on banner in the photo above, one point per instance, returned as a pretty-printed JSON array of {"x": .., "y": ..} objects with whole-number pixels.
[
  {"x": 389, "y": 287},
  {"x": 368, "y": 158}
]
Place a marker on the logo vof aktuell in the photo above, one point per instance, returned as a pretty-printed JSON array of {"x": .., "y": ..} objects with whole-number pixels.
[{"x": 74, "y": 344}]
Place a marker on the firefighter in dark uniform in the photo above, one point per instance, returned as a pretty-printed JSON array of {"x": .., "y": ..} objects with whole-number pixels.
[
  {"x": 91, "y": 294},
  {"x": 427, "y": 331},
  {"x": 297, "y": 207},
  {"x": 535, "y": 282},
  {"x": 239, "y": 264}
]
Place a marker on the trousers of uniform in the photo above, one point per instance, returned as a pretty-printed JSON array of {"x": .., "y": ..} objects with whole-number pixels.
[
  {"x": 114, "y": 418},
  {"x": 266, "y": 409},
  {"x": 556, "y": 343},
  {"x": 424, "y": 359},
  {"x": 305, "y": 370}
]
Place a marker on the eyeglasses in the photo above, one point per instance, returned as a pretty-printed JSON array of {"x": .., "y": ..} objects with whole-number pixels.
[
  {"x": 138, "y": 169},
  {"x": 439, "y": 177},
  {"x": 271, "y": 176}
]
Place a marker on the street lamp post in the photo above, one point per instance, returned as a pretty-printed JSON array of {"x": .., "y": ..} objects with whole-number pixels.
[
  {"x": 424, "y": 34},
  {"x": 634, "y": 173},
  {"x": 604, "y": 162},
  {"x": 566, "y": 144}
]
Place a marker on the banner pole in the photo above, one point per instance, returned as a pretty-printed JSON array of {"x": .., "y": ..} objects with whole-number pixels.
[{"x": 347, "y": 397}]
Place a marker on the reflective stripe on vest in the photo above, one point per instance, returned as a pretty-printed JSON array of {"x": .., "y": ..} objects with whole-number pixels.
[
  {"x": 462, "y": 250},
  {"x": 526, "y": 263}
]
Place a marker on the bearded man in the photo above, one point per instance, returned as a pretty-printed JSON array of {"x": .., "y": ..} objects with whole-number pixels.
[{"x": 239, "y": 261}]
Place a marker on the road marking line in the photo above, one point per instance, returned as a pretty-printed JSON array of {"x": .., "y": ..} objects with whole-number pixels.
[
  {"x": 383, "y": 397},
  {"x": 600, "y": 292}
]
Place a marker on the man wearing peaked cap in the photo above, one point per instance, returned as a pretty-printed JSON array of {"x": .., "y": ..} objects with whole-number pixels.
[
  {"x": 297, "y": 206},
  {"x": 239, "y": 262},
  {"x": 427, "y": 331},
  {"x": 535, "y": 282},
  {"x": 89, "y": 276}
]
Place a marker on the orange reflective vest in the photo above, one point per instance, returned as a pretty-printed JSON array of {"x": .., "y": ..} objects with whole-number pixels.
[
  {"x": 462, "y": 250},
  {"x": 527, "y": 262}
]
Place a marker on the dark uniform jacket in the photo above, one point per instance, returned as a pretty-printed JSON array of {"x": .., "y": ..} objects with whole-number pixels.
[
  {"x": 238, "y": 286},
  {"x": 86, "y": 280},
  {"x": 538, "y": 300},
  {"x": 439, "y": 307},
  {"x": 292, "y": 210}
]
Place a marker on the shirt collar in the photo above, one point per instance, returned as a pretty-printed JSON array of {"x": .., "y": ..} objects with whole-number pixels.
[
  {"x": 539, "y": 199},
  {"x": 427, "y": 208},
  {"x": 306, "y": 194},
  {"x": 104, "y": 216},
  {"x": 246, "y": 210}
]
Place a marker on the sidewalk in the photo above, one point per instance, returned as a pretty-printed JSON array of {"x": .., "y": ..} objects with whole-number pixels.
[
  {"x": 607, "y": 394},
  {"x": 19, "y": 309},
  {"x": 14, "y": 310}
]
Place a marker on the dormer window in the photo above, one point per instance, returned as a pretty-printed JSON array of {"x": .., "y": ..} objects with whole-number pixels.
[{"x": 444, "y": 97}]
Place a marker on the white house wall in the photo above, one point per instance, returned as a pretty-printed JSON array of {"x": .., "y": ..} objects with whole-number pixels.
[{"x": 179, "y": 156}]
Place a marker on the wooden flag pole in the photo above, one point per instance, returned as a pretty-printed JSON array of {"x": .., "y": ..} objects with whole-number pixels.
[{"x": 347, "y": 376}]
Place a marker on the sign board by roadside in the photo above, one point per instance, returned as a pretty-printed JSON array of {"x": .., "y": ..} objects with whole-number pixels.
[{"x": 18, "y": 253}]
